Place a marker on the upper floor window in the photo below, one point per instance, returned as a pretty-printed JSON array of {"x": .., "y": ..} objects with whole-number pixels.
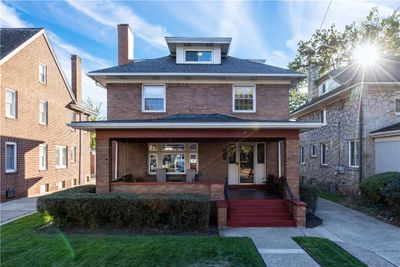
[
  {"x": 198, "y": 55},
  {"x": 302, "y": 160},
  {"x": 244, "y": 98},
  {"x": 42, "y": 73},
  {"x": 42, "y": 157},
  {"x": 353, "y": 155},
  {"x": 11, "y": 157},
  {"x": 61, "y": 157},
  {"x": 43, "y": 112},
  {"x": 322, "y": 115},
  {"x": 313, "y": 151},
  {"x": 323, "y": 89},
  {"x": 397, "y": 104},
  {"x": 11, "y": 103},
  {"x": 72, "y": 155},
  {"x": 153, "y": 98},
  {"x": 323, "y": 154}
]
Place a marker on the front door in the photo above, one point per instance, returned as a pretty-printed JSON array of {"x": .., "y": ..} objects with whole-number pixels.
[{"x": 246, "y": 163}]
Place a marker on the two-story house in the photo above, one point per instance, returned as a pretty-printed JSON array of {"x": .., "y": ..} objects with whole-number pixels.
[
  {"x": 39, "y": 153},
  {"x": 197, "y": 120},
  {"x": 360, "y": 106}
]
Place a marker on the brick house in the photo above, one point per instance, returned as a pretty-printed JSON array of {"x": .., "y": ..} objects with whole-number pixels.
[
  {"x": 360, "y": 106},
  {"x": 199, "y": 120},
  {"x": 39, "y": 153}
]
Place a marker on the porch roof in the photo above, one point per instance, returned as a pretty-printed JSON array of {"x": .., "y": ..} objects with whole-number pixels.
[{"x": 195, "y": 121}]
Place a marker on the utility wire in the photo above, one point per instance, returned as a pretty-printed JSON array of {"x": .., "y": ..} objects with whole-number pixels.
[{"x": 326, "y": 12}]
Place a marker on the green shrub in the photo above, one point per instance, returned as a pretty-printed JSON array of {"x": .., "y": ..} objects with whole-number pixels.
[
  {"x": 139, "y": 212},
  {"x": 309, "y": 195},
  {"x": 373, "y": 187},
  {"x": 391, "y": 193}
]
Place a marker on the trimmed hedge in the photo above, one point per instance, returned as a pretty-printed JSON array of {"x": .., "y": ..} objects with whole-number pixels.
[
  {"x": 139, "y": 212},
  {"x": 309, "y": 195},
  {"x": 373, "y": 188}
]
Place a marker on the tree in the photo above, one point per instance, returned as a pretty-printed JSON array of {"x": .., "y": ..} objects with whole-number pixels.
[
  {"x": 95, "y": 117},
  {"x": 296, "y": 99},
  {"x": 331, "y": 49}
]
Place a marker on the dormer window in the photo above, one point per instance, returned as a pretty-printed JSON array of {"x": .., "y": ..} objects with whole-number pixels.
[{"x": 198, "y": 56}]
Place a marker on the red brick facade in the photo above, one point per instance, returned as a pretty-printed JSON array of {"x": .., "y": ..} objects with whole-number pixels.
[{"x": 20, "y": 73}]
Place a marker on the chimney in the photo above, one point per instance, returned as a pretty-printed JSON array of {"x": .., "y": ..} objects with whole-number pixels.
[
  {"x": 76, "y": 77},
  {"x": 125, "y": 44},
  {"x": 312, "y": 77}
]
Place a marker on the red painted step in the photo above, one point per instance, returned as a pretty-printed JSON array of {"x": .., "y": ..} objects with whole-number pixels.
[
  {"x": 270, "y": 215},
  {"x": 264, "y": 223}
]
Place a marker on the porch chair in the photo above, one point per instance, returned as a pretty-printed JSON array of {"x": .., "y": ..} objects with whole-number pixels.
[
  {"x": 161, "y": 175},
  {"x": 190, "y": 175}
]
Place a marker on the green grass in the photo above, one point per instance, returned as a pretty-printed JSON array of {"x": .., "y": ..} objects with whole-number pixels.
[
  {"x": 332, "y": 197},
  {"x": 327, "y": 253},
  {"x": 23, "y": 245}
]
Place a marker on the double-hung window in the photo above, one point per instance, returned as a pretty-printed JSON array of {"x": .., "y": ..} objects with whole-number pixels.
[
  {"x": 198, "y": 56},
  {"x": 313, "y": 151},
  {"x": 302, "y": 160},
  {"x": 42, "y": 73},
  {"x": 43, "y": 112},
  {"x": 323, "y": 154},
  {"x": 42, "y": 157},
  {"x": 397, "y": 106},
  {"x": 322, "y": 115},
  {"x": 11, "y": 104},
  {"x": 244, "y": 98},
  {"x": 353, "y": 154},
  {"x": 61, "y": 157},
  {"x": 72, "y": 155},
  {"x": 153, "y": 98},
  {"x": 11, "y": 157}
]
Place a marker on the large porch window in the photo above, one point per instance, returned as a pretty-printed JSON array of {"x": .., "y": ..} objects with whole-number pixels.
[{"x": 173, "y": 157}]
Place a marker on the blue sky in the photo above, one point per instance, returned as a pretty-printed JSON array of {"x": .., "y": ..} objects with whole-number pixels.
[{"x": 260, "y": 29}]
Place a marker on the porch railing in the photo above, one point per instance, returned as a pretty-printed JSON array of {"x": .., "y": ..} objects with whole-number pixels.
[
  {"x": 226, "y": 189},
  {"x": 286, "y": 187}
]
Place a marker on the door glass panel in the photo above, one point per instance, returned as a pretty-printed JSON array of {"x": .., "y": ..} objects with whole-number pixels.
[
  {"x": 232, "y": 153},
  {"x": 246, "y": 164}
]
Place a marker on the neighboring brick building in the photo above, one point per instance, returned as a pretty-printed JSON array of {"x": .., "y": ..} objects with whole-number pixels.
[
  {"x": 355, "y": 103},
  {"x": 202, "y": 117},
  {"x": 39, "y": 153}
]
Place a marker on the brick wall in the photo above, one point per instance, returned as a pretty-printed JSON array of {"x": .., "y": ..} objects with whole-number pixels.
[
  {"x": 20, "y": 73},
  {"x": 124, "y": 101}
]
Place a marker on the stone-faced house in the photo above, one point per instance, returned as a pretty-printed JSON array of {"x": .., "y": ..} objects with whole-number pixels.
[
  {"x": 360, "y": 106},
  {"x": 39, "y": 153},
  {"x": 199, "y": 120}
]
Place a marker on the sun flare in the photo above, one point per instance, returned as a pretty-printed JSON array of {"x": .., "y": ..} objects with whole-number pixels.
[{"x": 366, "y": 54}]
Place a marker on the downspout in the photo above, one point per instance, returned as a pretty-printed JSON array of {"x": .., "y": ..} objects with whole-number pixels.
[
  {"x": 361, "y": 137},
  {"x": 80, "y": 157}
]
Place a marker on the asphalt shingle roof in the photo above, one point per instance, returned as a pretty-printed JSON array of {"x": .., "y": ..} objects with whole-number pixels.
[
  {"x": 394, "y": 127},
  {"x": 11, "y": 38},
  {"x": 168, "y": 65}
]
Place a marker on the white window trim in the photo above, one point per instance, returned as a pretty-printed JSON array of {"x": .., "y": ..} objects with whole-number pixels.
[
  {"x": 302, "y": 155},
  {"x": 254, "y": 98},
  {"x": 66, "y": 157},
  {"x": 323, "y": 119},
  {"x": 72, "y": 149},
  {"x": 395, "y": 100},
  {"x": 313, "y": 155},
  {"x": 148, "y": 161},
  {"x": 43, "y": 168},
  {"x": 165, "y": 99},
  {"x": 45, "y": 73},
  {"x": 46, "y": 112},
  {"x": 326, "y": 162},
  {"x": 14, "y": 93},
  {"x": 15, "y": 157},
  {"x": 355, "y": 154},
  {"x": 199, "y": 49}
]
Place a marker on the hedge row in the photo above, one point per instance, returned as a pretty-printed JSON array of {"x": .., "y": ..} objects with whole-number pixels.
[
  {"x": 309, "y": 195},
  {"x": 139, "y": 212}
]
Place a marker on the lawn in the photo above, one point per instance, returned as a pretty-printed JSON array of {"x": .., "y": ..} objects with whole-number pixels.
[
  {"x": 23, "y": 245},
  {"x": 327, "y": 253}
]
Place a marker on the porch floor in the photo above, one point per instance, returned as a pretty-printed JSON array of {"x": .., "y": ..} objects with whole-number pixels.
[{"x": 249, "y": 193}]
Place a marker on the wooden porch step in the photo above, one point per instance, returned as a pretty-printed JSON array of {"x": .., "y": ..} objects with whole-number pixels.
[
  {"x": 266, "y": 215},
  {"x": 253, "y": 209},
  {"x": 257, "y": 202},
  {"x": 262, "y": 223}
]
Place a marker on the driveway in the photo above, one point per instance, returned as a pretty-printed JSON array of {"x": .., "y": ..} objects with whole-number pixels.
[
  {"x": 374, "y": 242},
  {"x": 14, "y": 209}
]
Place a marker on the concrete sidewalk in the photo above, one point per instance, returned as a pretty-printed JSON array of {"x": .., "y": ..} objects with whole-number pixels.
[{"x": 14, "y": 209}]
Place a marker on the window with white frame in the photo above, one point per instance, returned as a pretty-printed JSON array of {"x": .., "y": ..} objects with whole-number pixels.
[
  {"x": 72, "y": 153},
  {"x": 42, "y": 157},
  {"x": 198, "y": 56},
  {"x": 61, "y": 157},
  {"x": 153, "y": 98},
  {"x": 173, "y": 157},
  {"x": 302, "y": 160},
  {"x": 244, "y": 98},
  {"x": 44, "y": 188},
  {"x": 42, "y": 73},
  {"x": 322, "y": 115},
  {"x": 353, "y": 154},
  {"x": 313, "y": 150},
  {"x": 11, "y": 157},
  {"x": 397, "y": 106},
  {"x": 11, "y": 103},
  {"x": 323, "y": 154},
  {"x": 43, "y": 112}
]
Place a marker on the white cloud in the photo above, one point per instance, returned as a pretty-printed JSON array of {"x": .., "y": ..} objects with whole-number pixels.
[
  {"x": 110, "y": 14},
  {"x": 9, "y": 18}
]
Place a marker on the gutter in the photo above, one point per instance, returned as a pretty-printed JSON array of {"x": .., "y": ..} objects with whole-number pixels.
[
  {"x": 82, "y": 109},
  {"x": 140, "y": 74},
  {"x": 385, "y": 134}
]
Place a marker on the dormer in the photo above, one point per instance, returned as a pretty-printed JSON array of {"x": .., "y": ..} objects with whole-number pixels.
[{"x": 198, "y": 50}]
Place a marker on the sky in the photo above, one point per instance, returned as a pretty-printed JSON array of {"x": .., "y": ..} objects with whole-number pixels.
[{"x": 259, "y": 29}]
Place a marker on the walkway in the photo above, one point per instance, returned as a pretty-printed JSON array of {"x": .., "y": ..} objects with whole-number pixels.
[{"x": 14, "y": 209}]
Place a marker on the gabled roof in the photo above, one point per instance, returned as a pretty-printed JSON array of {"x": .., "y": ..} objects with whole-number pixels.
[
  {"x": 12, "y": 38},
  {"x": 223, "y": 42},
  {"x": 331, "y": 74}
]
